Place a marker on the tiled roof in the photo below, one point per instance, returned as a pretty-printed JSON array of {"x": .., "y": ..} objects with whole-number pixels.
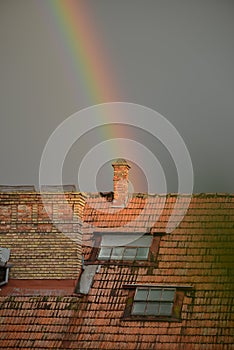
[
  {"x": 147, "y": 211},
  {"x": 196, "y": 257},
  {"x": 35, "y": 322},
  {"x": 198, "y": 253}
]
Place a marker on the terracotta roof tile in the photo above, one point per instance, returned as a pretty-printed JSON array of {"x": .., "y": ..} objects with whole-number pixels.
[{"x": 198, "y": 254}]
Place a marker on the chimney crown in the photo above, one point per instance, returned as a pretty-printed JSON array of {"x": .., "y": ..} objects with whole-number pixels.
[{"x": 120, "y": 161}]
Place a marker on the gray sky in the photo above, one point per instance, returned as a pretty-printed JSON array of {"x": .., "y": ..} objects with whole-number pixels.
[{"x": 175, "y": 57}]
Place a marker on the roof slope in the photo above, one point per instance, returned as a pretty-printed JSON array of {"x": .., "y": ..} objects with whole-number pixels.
[
  {"x": 35, "y": 322},
  {"x": 196, "y": 256},
  {"x": 198, "y": 253}
]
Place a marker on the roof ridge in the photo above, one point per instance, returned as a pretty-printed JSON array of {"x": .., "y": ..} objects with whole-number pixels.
[{"x": 134, "y": 194}]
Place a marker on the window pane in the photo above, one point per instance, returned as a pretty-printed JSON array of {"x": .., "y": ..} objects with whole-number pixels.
[
  {"x": 142, "y": 253},
  {"x": 152, "y": 309},
  {"x": 155, "y": 294},
  {"x": 117, "y": 253},
  {"x": 141, "y": 294},
  {"x": 168, "y": 294},
  {"x": 165, "y": 309},
  {"x": 105, "y": 253},
  {"x": 129, "y": 254},
  {"x": 144, "y": 241},
  {"x": 139, "y": 308}
]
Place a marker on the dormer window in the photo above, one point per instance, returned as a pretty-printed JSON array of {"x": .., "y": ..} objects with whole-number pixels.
[
  {"x": 121, "y": 247},
  {"x": 123, "y": 253},
  {"x": 116, "y": 247},
  {"x": 153, "y": 301}
]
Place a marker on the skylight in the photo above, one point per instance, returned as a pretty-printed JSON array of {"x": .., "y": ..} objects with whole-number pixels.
[
  {"x": 153, "y": 301},
  {"x": 135, "y": 250}
]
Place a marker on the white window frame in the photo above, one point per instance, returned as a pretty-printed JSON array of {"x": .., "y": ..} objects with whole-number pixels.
[{"x": 134, "y": 249}]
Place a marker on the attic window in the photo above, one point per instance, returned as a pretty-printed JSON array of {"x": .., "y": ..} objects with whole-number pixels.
[
  {"x": 153, "y": 301},
  {"x": 113, "y": 247}
]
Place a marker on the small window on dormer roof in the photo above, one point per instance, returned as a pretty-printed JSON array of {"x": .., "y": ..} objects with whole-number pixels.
[
  {"x": 115, "y": 247},
  {"x": 153, "y": 301}
]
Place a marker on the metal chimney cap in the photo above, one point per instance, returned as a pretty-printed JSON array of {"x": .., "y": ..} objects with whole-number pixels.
[{"x": 4, "y": 255}]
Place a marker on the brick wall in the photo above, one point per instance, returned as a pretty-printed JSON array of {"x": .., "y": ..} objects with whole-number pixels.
[{"x": 43, "y": 245}]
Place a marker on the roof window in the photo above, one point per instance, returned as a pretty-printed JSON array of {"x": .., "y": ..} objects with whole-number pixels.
[
  {"x": 156, "y": 302},
  {"x": 133, "y": 249},
  {"x": 153, "y": 301}
]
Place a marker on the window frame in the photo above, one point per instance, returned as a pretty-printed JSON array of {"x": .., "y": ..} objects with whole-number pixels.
[
  {"x": 152, "y": 254},
  {"x": 175, "y": 316},
  {"x": 157, "y": 303},
  {"x": 123, "y": 255}
]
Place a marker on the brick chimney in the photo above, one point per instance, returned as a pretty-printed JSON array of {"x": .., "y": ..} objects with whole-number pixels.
[{"x": 121, "y": 169}]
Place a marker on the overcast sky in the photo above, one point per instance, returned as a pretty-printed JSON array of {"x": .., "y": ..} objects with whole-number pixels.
[{"x": 173, "y": 56}]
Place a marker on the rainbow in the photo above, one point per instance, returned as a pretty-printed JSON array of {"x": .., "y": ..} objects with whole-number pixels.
[
  {"x": 84, "y": 60},
  {"x": 74, "y": 30}
]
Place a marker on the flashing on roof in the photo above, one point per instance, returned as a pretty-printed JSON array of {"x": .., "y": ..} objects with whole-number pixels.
[
  {"x": 86, "y": 279},
  {"x": 18, "y": 188},
  {"x": 4, "y": 267}
]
